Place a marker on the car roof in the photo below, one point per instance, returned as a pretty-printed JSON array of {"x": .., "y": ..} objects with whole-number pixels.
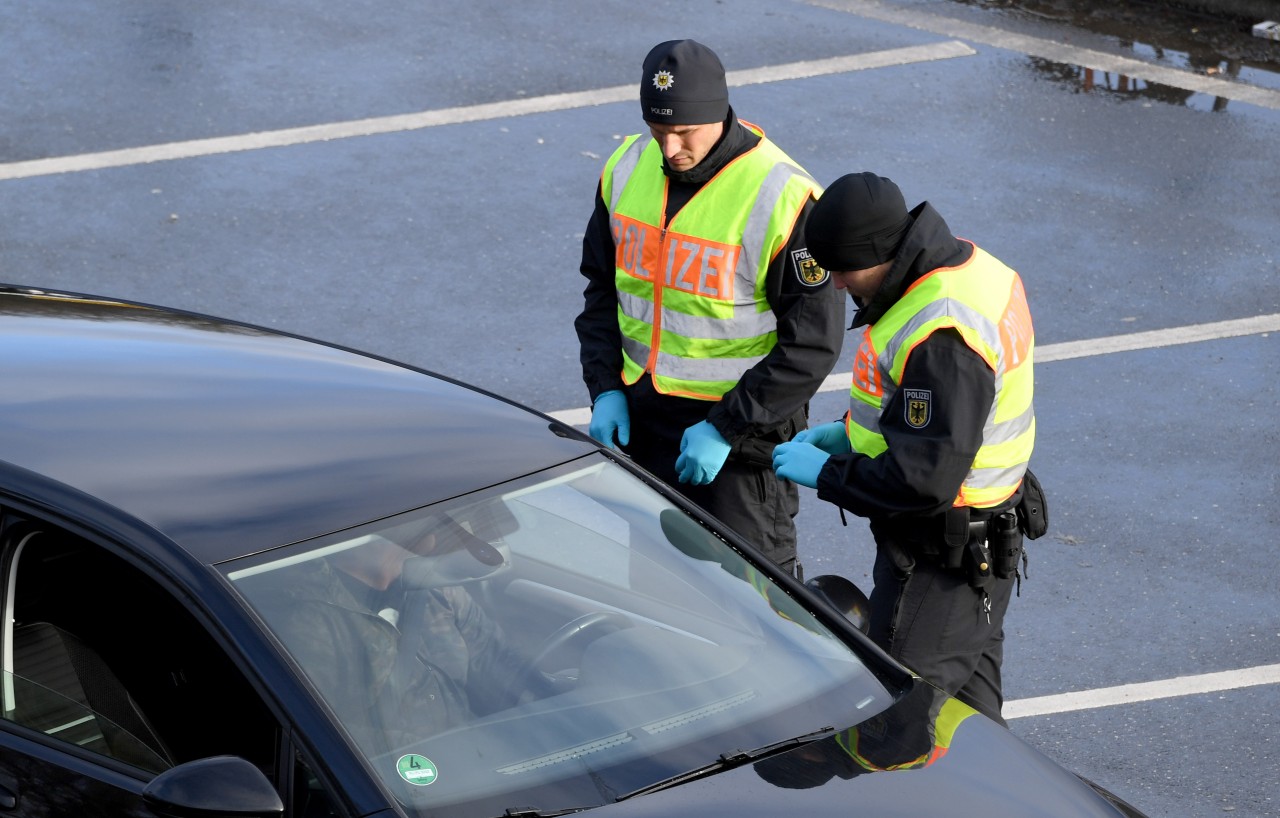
[{"x": 229, "y": 439}]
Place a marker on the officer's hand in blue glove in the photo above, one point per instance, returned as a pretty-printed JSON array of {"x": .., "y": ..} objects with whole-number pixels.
[
  {"x": 799, "y": 462},
  {"x": 608, "y": 415},
  {"x": 830, "y": 437},
  {"x": 703, "y": 451}
]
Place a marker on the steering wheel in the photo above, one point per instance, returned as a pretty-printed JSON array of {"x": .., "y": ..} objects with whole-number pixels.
[{"x": 581, "y": 631}]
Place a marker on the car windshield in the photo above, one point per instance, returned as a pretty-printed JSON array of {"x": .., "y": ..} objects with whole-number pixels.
[{"x": 551, "y": 644}]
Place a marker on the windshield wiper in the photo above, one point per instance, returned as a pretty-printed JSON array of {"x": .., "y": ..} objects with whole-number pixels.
[
  {"x": 532, "y": 812},
  {"x": 728, "y": 761}
]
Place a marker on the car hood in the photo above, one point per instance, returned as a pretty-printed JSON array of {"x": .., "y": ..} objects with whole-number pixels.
[{"x": 896, "y": 764}]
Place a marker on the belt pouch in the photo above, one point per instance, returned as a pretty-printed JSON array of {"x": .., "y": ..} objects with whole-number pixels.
[{"x": 956, "y": 535}]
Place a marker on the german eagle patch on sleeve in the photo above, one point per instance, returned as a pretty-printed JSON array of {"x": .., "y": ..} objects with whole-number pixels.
[
  {"x": 918, "y": 407},
  {"x": 807, "y": 270}
]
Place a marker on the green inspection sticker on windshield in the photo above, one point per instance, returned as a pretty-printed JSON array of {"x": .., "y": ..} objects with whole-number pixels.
[{"x": 417, "y": 770}]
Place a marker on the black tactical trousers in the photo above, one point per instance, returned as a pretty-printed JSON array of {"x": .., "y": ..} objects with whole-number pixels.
[{"x": 930, "y": 619}]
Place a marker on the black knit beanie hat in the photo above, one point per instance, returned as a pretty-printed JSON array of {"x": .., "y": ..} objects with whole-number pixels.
[
  {"x": 858, "y": 222},
  {"x": 683, "y": 84}
]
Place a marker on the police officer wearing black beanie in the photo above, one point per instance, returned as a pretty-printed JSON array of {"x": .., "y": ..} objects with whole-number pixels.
[
  {"x": 935, "y": 446},
  {"x": 706, "y": 325}
]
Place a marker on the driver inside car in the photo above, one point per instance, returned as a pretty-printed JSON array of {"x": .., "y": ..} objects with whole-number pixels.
[{"x": 393, "y": 642}]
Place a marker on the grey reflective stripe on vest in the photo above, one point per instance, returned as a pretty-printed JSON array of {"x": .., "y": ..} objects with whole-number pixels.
[
  {"x": 967, "y": 316},
  {"x": 865, "y": 415},
  {"x": 622, "y": 170},
  {"x": 692, "y": 326},
  {"x": 990, "y": 478},
  {"x": 638, "y": 308},
  {"x": 754, "y": 232},
  {"x": 994, "y": 434},
  {"x": 746, "y": 323},
  {"x": 694, "y": 369}
]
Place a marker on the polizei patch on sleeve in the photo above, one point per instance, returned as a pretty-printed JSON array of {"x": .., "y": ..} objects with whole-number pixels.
[
  {"x": 919, "y": 407},
  {"x": 807, "y": 270}
]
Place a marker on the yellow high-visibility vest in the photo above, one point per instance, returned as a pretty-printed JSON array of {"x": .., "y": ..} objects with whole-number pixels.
[
  {"x": 984, "y": 301},
  {"x": 692, "y": 305}
]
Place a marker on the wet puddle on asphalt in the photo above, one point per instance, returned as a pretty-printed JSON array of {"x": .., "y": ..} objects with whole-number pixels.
[{"x": 1215, "y": 46}]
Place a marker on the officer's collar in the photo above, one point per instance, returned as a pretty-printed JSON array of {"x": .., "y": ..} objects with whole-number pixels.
[
  {"x": 928, "y": 245},
  {"x": 729, "y": 146}
]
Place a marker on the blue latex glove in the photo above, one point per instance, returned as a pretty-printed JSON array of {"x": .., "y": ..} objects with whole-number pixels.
[
  {"x": 830, "y": 437},
  {"x": 609, "y": 414},
  {"x": 702, "y": 452},
  {"x": 799, "y": 462}
]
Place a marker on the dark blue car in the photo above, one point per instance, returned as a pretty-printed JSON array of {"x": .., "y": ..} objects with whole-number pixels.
[{"x": 245, "y": 573}]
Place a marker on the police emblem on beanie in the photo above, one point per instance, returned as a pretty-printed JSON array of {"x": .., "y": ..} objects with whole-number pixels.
[
  {"x": 683, "y": 83},
  {"x": 859, "y": 221}
]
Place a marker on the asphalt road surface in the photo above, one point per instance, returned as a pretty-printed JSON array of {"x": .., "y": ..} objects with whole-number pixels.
[{"x": 413, "y": 180}]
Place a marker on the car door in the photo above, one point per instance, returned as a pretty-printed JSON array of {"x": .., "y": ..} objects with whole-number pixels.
[{"x": 108, "y": 680}]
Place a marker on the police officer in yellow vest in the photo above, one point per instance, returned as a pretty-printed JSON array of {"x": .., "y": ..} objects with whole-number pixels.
[
  {"x": 706, "y": 325},
  {"x": 935, "y": 446}
]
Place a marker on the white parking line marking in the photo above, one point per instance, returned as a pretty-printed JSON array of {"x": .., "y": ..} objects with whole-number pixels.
[
  {"x": 1193, "y": 333},
  {"x": 453, "y": 116},
  {"x": 1257, "y": 325},
  {"x": 1058, "y": 52},
  {"x": 1142, "y": 692}
]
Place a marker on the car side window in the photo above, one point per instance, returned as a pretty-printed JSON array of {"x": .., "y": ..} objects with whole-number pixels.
[
  {"x": 58, "y": 686},
  {"x": 98, "y": 655},
  {"x": 311, "y": 799}
]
